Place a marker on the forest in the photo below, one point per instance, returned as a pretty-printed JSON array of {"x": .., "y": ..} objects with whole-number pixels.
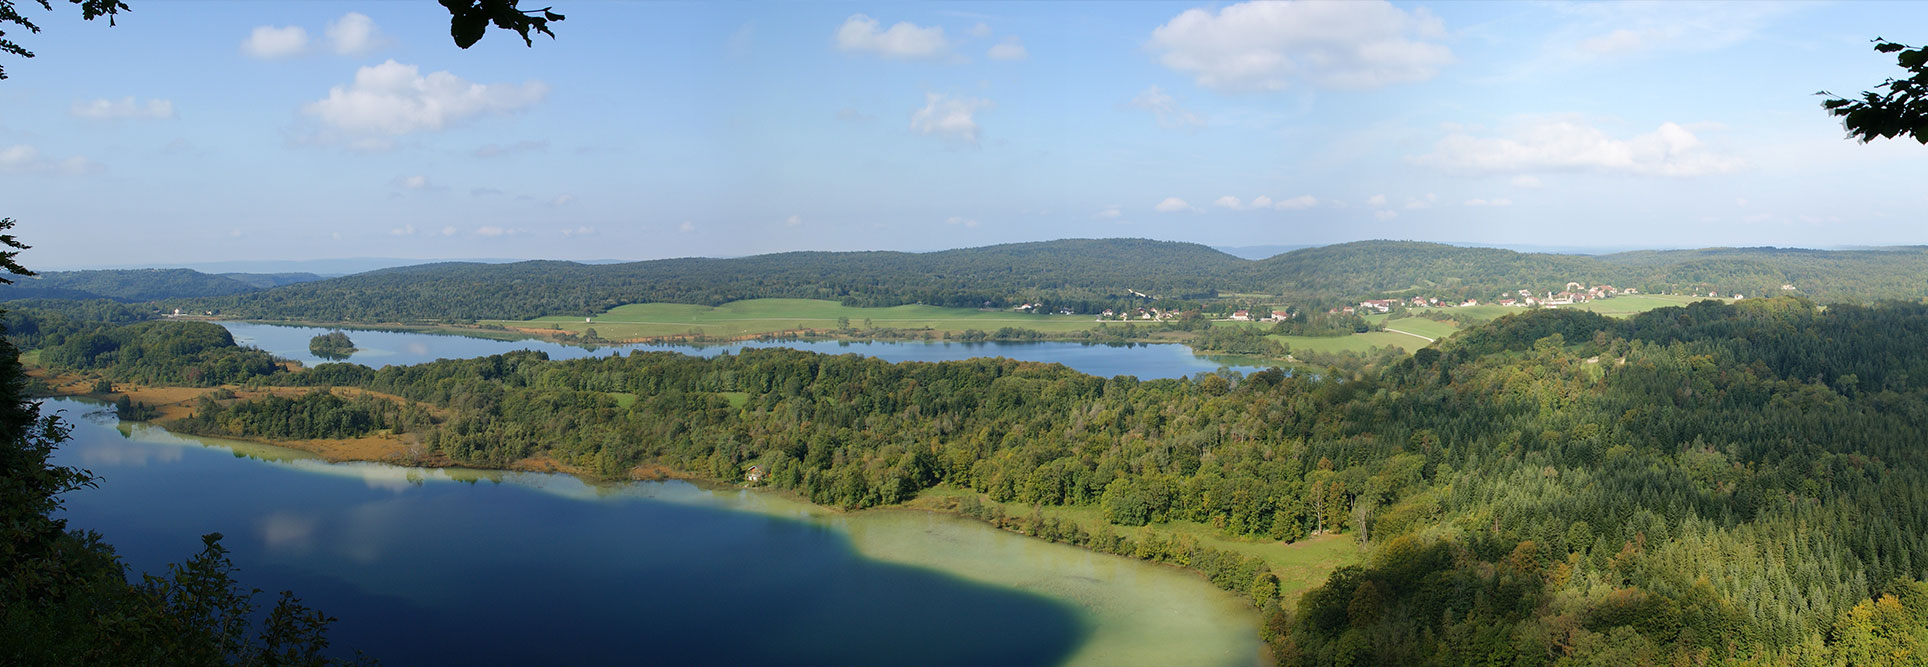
[
  {"x": 1728, "y": 483},
  {"x": 1084, "y": 276},
  {"x": 138, "y": 285}
]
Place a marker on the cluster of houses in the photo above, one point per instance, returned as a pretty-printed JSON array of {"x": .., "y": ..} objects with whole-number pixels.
[
  {"x": 1247, "y": 316},
  {"x": 1574, "y": 293},
  {"x": 1038, "y": 308},
  {"x": 1150, "y": 314}
]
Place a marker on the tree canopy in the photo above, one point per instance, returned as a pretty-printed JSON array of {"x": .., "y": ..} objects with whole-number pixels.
[{"x": 1900, "y": 111}]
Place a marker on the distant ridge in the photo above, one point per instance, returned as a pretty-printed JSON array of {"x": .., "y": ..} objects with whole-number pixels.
[{"x": 1081, "y": 275}]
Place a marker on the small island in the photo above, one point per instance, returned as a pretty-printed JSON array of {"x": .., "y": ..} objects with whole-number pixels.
[{"x": 333, "y": 346}]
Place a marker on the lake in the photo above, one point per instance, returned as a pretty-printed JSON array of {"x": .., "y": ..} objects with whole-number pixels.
[
  {"x": 386, "y": 348},
  {"x": 488, "y": 567}
]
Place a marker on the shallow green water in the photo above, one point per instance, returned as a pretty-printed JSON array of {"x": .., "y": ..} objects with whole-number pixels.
[{"x": 440, "y": 566}]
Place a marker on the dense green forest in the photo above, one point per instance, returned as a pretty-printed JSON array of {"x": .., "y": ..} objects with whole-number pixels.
[
  {"x": 1716, "y": 483},
  {"x": 1084, "y": 276},
  {"x": 134, "y": 285}
]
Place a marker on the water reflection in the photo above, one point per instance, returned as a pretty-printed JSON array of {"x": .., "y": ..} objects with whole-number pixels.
[
  {"x": 384, "y": 348},
  {"x": 436, "y": 566}
]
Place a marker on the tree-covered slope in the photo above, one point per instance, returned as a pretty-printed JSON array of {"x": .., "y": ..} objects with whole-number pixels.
[
  {"x": 1368, "y": 268},
  {"x": 1852, "y": 276},
  {"x": 1086, "y": 275},
  {"x": 124, "y": 285},
  {"x": 998, "y": 275}
]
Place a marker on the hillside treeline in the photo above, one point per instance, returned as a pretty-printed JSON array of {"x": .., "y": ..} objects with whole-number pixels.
[
  {"x": 1083, "y": 276},
  {"x": 1739, "y": 484}
]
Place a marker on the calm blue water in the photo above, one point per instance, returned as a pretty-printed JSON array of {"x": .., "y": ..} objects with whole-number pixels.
[
  {"x": 385, "y": 348},
  {"x": 511, "y": 569}
]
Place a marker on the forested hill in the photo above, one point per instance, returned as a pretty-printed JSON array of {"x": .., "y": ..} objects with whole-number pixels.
[
  {"x": 1854, "y": 276},
  {"x": 1086, "y": 275},
  {"x": 1368, "y": 268},
  {"x": 998, "y": 275},
  {"x": 133, "y": 285},
  {"x": 1371, "y": 268}
]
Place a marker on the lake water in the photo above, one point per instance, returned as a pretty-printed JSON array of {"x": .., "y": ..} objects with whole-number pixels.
[
  {"x": 486, "y": 567},
  {"x": 385, "y": 348}
]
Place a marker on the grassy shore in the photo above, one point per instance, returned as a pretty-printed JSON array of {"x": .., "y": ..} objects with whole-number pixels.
[{"x": 1300, "y": 565}]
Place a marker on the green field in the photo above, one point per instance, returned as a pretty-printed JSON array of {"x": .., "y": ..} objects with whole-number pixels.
[
  {"x": 1355, "y": 343},
  {"x": 1434, "y": 329},
  {"x": 762, "y": 316},
  {"x": 1619, "y": 306},
  {"x": 1300, "y": 565}
]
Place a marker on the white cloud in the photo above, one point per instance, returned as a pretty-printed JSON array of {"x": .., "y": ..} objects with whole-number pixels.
[
  {"x": 1526, "y": 181},
  {"x": 1262, "y": 202},
  {"x": 1172, "y": 205},
  {"x": 126, "y": 107},
  {"x": 1416, "y": 204},
  {"x": 981, "y": 30},
  {"x": 1566, "y": 145},
  {"x": 579, "y": 231},
  {"x": 1165, "y": 108},
  {"x": 686, "y": 227},
  {"x": 354, "y": 34},
  {"x": 24, "y": 159},
  {"x": 950, "y": 117},
  {"x": 1009, "y": 49},
  {"x": 904, "y": 40},
  {"x": 493, "y": 231},
  {"x": 271, "y": 43},
  {"x": 1108, "y": 213},
  {"x": 417, "y": 182},
  {"x": 1497, "y": 201},
  {"x": 793, "y": 221},
  {"x": 1385, "y": 215},
  {"x": 404, "y": 230},
  {"x": 1297, "y": 203},
  {"x": 563, "y": 199},
  {"x": 1259, "y": 46},
  {"x": 959, "y": 220},
  {"x": 1376, "y": 201},
  {"x": 448, "y": 231},
  {"x": 392, "y": 99}
]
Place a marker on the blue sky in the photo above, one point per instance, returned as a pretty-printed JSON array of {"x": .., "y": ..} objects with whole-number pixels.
[{"x": 219, "y": 131}]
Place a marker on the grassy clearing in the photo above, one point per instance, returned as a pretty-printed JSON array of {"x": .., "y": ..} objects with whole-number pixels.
[
  {"x": 1300, "y": 565},
  {"x": 1620, "y": 306},
  {"x": 1356, "y": 342},
  {"x": 1419, "y": 325},
  {"x": 762, "y": 316}
]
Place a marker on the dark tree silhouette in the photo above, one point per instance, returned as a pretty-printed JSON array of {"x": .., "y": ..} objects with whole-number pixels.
[
  {"x": 1901, "y": 111},
  {"x": 468, "y": 20}
]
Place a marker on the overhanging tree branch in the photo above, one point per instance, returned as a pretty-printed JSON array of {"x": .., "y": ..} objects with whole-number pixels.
[{"x": 1901, "y": 111}]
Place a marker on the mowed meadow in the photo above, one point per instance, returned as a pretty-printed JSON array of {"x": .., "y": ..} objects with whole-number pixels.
[{"x": 770, "y": 316}]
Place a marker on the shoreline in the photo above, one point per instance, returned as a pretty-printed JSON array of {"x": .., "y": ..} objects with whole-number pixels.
[{"x": 926, "y": 335}]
